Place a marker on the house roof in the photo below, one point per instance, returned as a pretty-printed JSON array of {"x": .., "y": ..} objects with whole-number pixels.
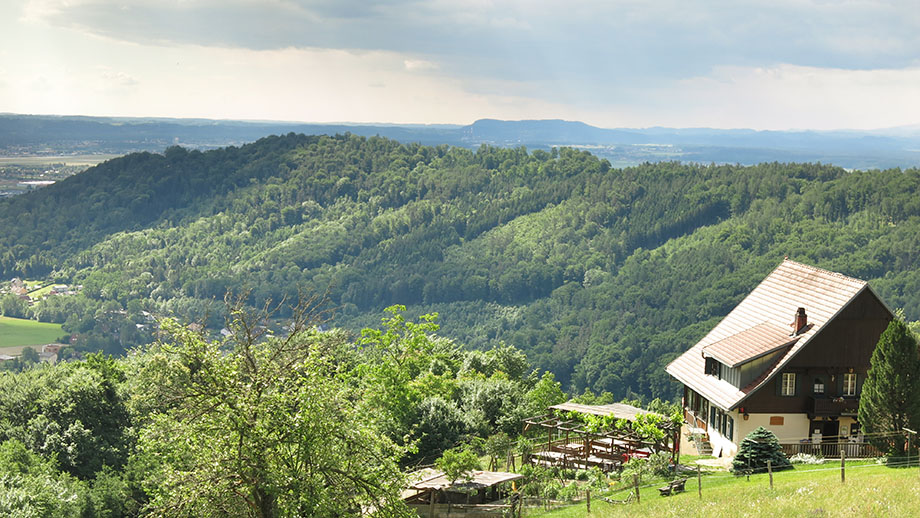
[
  {"x": 770, "y": 307},
  {"x": 618, "y": 410},
  {"x": 750, "y": 344}
]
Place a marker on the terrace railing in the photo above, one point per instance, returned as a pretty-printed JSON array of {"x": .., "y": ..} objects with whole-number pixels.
[{"x": 831, "y": 449}]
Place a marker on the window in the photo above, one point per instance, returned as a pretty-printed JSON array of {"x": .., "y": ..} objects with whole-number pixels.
[
  {"x": 712, "y": 366},
  {"x": 819, "y": 386},
  {"x": 849, "y": 384},
  {"x": 788, "y": 388}
]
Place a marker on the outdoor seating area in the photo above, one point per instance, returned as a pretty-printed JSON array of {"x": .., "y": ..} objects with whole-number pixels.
[{"x": 569, "y": 445}]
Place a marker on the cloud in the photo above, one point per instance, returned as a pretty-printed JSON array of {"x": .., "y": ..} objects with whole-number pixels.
[
  {"x": 117, "y": 78},
  {"x": 611, "y": 62},
  {"x": 414, "y": 65}
]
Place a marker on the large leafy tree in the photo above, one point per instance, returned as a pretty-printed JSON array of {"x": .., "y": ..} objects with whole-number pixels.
[
  {"x": 259, "y": 426},
  {"x": 890, "y": 398}
]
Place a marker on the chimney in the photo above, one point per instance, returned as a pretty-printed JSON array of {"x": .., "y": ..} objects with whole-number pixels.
[{"x": 801, "y": 320}]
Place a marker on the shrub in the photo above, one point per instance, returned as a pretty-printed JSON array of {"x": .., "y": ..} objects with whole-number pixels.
[{"x": 756, "y": 449}]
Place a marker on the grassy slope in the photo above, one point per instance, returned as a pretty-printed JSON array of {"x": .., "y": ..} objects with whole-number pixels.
[
  {"x": 813, "y": 491},
  {"x": 17, "y": 332}
]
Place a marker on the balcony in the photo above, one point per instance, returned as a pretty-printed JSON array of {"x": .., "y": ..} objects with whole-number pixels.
[{"x": 829, "y": 406}]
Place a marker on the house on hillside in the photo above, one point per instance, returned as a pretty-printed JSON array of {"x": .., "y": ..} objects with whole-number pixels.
[{"x": 791, "y": 357}]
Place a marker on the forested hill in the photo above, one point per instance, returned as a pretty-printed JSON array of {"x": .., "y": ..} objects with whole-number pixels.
[{"x": 601, "y": 275}]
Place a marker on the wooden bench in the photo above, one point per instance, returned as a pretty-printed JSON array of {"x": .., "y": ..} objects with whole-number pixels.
[{"x": 674, "y": 486}]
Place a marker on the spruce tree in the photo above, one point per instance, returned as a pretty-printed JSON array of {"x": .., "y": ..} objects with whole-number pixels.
[
  {"x": 756, "y": 449},
  {"x": 890, "y": 399}
]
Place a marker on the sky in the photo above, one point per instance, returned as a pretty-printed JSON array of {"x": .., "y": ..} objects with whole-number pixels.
[{"x": 761, "y": 64}]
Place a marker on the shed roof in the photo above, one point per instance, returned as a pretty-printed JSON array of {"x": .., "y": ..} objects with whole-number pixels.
[
  {"x": 434, "y": 479},
  {"x": 774, "y": 301}
]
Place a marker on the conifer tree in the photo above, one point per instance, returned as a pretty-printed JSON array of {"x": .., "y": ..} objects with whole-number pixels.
[
  {"x": 756, "y": 449},
  {"x": 890, "y": 399}
]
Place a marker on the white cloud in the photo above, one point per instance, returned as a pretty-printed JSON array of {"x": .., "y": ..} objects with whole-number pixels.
[
  {"x": 419, "y": 65},
  {"x": 789, "y": 96}
]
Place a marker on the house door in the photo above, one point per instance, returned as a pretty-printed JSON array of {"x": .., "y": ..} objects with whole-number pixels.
[
  {"x": 831, "y": 429},
  {"x": 824, "y": 434}
]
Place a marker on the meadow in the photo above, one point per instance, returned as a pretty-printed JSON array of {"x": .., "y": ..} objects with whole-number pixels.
[
  {"x": 808, "y": 491},
  {"x": 18, "y": 332}
]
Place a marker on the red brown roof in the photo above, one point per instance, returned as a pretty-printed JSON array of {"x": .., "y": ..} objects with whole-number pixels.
[
  {"x": 750, "y": 344},
  {"x": 773, "y": 303}
]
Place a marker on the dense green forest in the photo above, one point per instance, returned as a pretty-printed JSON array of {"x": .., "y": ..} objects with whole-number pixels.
[{"x": 600, "y": 275}]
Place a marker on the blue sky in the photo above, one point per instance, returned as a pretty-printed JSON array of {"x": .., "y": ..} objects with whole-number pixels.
[{"x": 777, "y": 64}]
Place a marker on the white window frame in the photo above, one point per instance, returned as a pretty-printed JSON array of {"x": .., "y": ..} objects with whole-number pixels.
[
  {"x": 788, "y": 386},
  {"x": 819, "y": 383},
  {"x": 849, "y": 384}
]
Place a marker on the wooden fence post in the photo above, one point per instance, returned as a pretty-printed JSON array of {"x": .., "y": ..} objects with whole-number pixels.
[
  {"x": 588, "y": 497},
  {"x": 699, "y": 482},
  {"x": 770, "y": 471},
  {"x": 843, "y": 463},
  {"x": 636, "y": 483}
]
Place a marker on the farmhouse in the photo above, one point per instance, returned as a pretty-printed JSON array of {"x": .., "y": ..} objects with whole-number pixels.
[{"x": 791, "y": 357}]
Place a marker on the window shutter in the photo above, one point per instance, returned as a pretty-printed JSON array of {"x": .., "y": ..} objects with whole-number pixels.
[
  {"x": 731, "y": 429},
  {"x": 779, "y": 384},
  {"x": 839, "y": 385}
]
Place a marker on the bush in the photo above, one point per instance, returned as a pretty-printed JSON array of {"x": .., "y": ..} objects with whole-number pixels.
[
  {"x": 756, "y": 449},
  {"x": 569, "y": 493}
]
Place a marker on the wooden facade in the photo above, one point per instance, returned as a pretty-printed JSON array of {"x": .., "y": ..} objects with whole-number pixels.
[{"x": 791, "y": 357}]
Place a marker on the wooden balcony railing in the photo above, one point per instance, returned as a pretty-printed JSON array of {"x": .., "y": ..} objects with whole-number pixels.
[{"x": 833, "y": 406}]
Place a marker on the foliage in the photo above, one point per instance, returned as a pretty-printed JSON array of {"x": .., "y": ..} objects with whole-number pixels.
[
  {"x": 890, "y": 399},
  {"x": 760, "y": 446},
  {"x": 599, "y": 275},
  {"x": 30, "y": 486},
  {"x": 259, "y": 426},
  {"x": 498, "y": 447},
  {"x": 458, "y": 464},
  {"x": 72, "y": 412}
]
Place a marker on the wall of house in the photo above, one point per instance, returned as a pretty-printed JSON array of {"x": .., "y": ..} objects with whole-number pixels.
[
  {"x": 845, "y": 343},
  {"x": 794, "y": 427}
]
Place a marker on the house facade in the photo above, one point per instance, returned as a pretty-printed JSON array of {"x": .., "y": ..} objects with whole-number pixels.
[{"x": 791, "y": 357}]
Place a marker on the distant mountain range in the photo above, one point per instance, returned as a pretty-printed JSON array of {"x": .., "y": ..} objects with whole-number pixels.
[{"x": 895, "y": 147}]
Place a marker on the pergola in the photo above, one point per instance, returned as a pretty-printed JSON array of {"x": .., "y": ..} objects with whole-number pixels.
[{"x": 569, "y": 445}]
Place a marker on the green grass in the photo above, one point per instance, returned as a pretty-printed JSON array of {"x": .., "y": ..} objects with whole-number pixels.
[
  {"x": 17, "y": 332},
  {"x": 807, "y": 491},
  {"x": 41, "y": 292}
]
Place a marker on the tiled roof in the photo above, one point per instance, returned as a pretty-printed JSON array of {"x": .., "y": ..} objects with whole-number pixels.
[
  {"x": 773, "y": 302},
  {"x": 750, "y": 344}
]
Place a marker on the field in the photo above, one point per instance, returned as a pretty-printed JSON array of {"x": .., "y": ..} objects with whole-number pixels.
[
  {"x": 808, "y": 491},
  {"x": 16, "y": 332}
]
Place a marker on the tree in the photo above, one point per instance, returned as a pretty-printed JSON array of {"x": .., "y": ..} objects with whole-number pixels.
[
  {"x": 458, "y": 463},
  {"x": 890, "y": 399},
  {"x": 259, "y": 426},
  {"x": 756, "y": 449},
  {"x": 13, "y": 306},
  {"x": 29, "y": 355}
]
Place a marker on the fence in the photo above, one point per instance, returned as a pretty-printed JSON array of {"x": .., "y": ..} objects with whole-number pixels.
[{"x": 852, "y": 450}]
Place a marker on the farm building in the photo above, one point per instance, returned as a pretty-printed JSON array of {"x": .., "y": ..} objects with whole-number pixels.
[{"x": 791, "y": 357}]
